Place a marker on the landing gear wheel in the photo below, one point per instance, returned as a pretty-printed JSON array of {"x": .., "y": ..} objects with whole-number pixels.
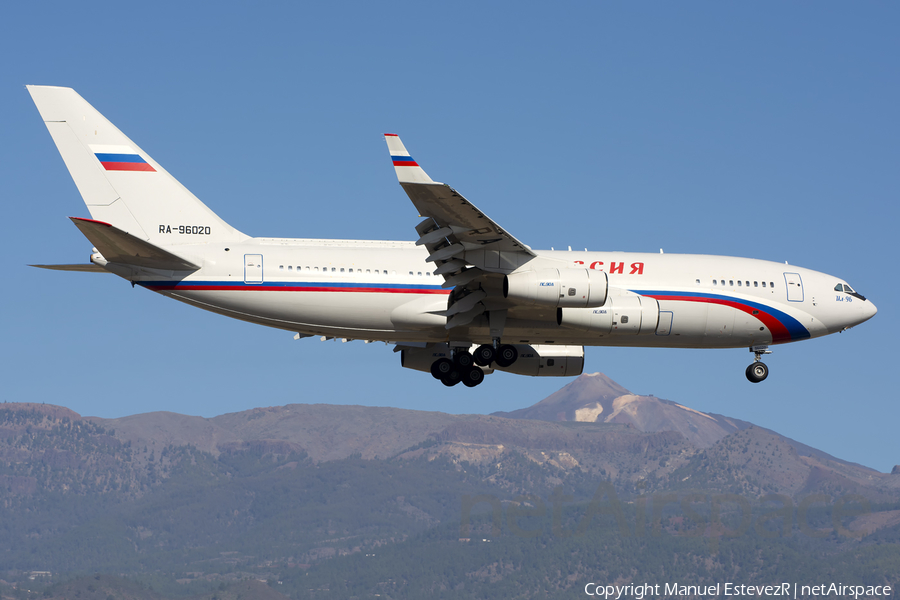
[
  {"x": 463, "y": 359},
  {"x": 472, "y": 377},
  {"x": 441, "y": 368},
  {"x": 484, "y": 355},
  {"x": 452, "y": 378},
  {"x": 757, "y": 372},
  {"x": 506, "y": 355}
]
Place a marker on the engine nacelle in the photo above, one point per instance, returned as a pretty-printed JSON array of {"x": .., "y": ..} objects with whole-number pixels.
[
  {"x": 547, "y": 361},
  {"x": 622, "y": 315},
  {"x": 421, "y": 359},
  {"x": 574, "y": 288}
]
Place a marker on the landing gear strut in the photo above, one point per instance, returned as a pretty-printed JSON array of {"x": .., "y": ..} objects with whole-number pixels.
[{"x": 758, "y": 371}]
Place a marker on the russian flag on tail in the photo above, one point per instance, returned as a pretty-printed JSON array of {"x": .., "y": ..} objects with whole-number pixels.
[
  {"x": 404, "y": 161},
  {"x": 120, "y": 158}
]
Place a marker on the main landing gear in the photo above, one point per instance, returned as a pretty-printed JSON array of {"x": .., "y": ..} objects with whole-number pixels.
[
  {"x": 758, "y": 371},
  {"x": 465, "y": 367}
]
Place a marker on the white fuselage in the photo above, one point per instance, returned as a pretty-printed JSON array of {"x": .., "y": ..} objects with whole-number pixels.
[{"x": 382, "y": 290}]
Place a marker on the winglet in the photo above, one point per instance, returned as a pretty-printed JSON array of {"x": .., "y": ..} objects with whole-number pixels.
[{"x": 408, "y": 170}]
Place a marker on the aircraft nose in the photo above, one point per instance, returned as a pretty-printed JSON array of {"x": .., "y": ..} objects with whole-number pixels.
[{"x": 869, "y": 310}]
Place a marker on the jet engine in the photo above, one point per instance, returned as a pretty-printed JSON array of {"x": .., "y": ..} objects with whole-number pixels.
[
  {"x": 622, "y": 315},
  {"x": 421, "y": 359},
  {"x": 547, "y": 361},
  {"x": 574, "y": 288}
]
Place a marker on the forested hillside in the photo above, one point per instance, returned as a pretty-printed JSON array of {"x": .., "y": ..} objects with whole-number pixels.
[{"x": 472, "y": 507}]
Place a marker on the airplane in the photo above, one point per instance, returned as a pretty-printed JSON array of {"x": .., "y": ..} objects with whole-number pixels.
[{"x": 463, "y": 300}]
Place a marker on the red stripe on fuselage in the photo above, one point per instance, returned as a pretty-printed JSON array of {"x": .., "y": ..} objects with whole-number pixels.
[
  {"x": 282, "y": 288},
  {"x": 776, "y": 327}
]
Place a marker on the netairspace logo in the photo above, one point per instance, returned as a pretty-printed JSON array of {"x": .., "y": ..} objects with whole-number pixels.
[{"x": 724, "y": 590}]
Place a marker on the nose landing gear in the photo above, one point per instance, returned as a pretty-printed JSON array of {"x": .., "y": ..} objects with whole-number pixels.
[{"x": 758, "y": 371}]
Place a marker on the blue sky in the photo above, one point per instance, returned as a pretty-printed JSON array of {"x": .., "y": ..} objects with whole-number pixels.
[{"x": 767, "y": 130}]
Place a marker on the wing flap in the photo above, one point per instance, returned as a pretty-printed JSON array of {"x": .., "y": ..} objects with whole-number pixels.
[
  {"x": 470, "y": 225},
  {"x": 117, "y": 246}
]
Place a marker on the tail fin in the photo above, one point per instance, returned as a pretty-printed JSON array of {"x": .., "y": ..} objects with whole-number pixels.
[{"x": 119, "y": 182}]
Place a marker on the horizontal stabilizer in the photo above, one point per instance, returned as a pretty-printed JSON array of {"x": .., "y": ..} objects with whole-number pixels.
[
  {"x": 117, "y": 246},
  {"x": 83, "y": 268}
]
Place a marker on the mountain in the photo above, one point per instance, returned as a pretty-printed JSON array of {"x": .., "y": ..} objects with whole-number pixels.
[
  {"x": 731, "y": 443},
  {"x": 272, "y": 493},
  {"x": 595, "y": 398},
  {"x": 104, "y": 587},
  {"x": 323, "y": 431}
]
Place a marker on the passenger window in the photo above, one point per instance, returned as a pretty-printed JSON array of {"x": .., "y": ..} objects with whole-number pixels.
[
  {"x": 367, "y": 271},
  {"x": 739, "y": 283},
  {"x": 410, "y": 272},
  {"x": 333, "y": 269},
  {"x": 715, "y": 282},
  {"x": 755, "y": 284},
  {"x": 731, "y": 282},
  {"x": 698, "y": 282},
  {"x": 748, "y": 284},
  {"x": 419, "y": 273},
  {"x": 764, "y": 284},
  {"x": 281, "y": 267},
  {"x": 771, "y": 284}
]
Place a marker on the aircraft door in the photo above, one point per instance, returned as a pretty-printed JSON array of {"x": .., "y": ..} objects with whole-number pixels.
[
  {"x": 794, "y": 287},
  {"x": 253, "y": 268},
  {"x": 665, "y": 322}
]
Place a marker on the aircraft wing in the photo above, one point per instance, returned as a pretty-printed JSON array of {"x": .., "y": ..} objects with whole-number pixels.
[
  {"x": 462, "y": 223},
  {"x": 465, "y": 244}
]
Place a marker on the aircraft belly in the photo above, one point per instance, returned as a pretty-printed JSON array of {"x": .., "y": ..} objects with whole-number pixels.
[{"x": 314, "y": 309}]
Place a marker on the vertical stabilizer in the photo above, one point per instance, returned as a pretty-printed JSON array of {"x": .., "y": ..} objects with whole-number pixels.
[{"x": 119, "y": 182}]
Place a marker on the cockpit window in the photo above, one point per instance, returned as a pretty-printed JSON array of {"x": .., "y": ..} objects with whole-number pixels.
[{"x": 843, "y": 287}]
